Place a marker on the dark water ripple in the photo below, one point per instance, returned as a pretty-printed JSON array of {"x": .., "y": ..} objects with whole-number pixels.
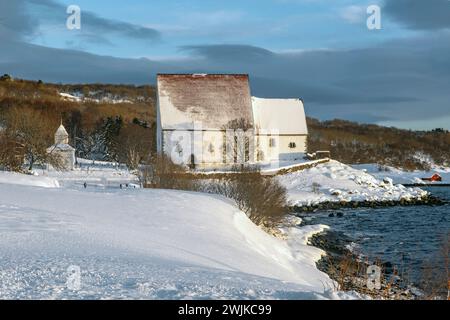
[{"x": 408, "y": 237}]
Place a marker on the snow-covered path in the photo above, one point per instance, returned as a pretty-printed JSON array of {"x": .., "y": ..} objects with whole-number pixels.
[{"x": 151, "y": 244}]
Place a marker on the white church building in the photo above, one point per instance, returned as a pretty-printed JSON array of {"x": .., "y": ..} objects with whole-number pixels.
[
  {"x": 212, "y": 121},
  {"x": 62, "y": 148}
]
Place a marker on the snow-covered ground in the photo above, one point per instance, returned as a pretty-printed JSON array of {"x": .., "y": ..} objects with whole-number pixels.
[
  {"x": 28, "y": 180},
  {"x": 142, "y": 243},
  {"x": 95, "y": 173},
  {"x": 162, "y": 244},
  {"x": 406, "y": 177},
  {"x": 335, "y": 181}
]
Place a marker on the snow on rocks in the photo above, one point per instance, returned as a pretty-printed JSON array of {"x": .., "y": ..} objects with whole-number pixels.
[
  {"x": 336, "y": 182},
  {"x": 401, "y": 176}
]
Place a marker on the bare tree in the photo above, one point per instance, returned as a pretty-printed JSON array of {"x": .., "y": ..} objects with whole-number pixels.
[
  {"x": 11, "y": 157},
  {"x": 240, "y": 142},
  {"x": 135, "y": 145},
  {"x": 31, "y": 133}
]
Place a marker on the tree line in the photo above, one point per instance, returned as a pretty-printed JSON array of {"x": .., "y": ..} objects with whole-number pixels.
[
  {"x": 356, "y": 143},
  {"x": 101, "y": 129},
  {"x": 118, "y": 123}
]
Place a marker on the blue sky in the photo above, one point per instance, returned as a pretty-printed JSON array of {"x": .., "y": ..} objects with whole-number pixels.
[
  {"x": 278, "y": 25},
  {"x": 319, "y": 50}
]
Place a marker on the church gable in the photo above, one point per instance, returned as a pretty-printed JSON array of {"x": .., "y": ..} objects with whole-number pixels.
[{"x": 213, "y": 100}]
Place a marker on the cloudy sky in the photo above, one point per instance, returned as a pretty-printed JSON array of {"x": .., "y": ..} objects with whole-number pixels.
[{"x": 319, "y": 50}]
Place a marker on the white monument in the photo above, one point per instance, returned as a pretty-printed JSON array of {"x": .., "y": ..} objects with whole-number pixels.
[{"x": 62, "y": 148}]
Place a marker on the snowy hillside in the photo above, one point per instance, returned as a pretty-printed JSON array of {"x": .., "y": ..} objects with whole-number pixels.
[
  {"x": 401, "y": 176},
  {"x": 335, "y": 181},
  {"x": 137, "y": 243},
  {"x": 78, "y": 97}
]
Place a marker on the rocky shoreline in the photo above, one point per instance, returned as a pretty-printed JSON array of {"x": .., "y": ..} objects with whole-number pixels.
[
  {"x": 349, "y": 270},
  {"x": 429, "y": 200}
]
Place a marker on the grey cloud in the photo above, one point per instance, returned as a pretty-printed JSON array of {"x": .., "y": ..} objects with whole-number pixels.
[
  {"x": 420, "y": 14},
  {"x": 20, "y": 23},
  {"x": 229, "y": 52},
  {"x": 31, "y": 61},
  {"x": 14, "y": 22},
  {"x": 405, "y": 80},
  {"x": 95, "y": 23}
]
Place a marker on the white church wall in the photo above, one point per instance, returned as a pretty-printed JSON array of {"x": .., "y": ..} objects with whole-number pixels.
[
  {"x": 211, "y": 149},
  {"x": 205, "y": 146},
  {"x": 212, "y": 145},
  {"x": 284, "y": 147},
  {"x": 70, "y": 159},
  {"x": 292, "y": 152},
  {"x": 159, "y": 138}
]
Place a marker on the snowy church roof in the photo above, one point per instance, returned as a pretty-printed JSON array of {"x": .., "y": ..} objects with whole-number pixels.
[
  {"x": 61, "y": 141},
  {"x": 214, "y": 100},
  {"x": 61, "y": 131},
  {"x": 282, "y": 116}
]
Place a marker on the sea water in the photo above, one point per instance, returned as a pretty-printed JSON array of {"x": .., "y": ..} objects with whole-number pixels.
[{"x": 411, "y": 238}]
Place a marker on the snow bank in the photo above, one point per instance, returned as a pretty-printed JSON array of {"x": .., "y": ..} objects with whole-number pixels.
[
  {"x": 334, "y": 181},
  {"x": 27, "y": 180},
  {"x": 156, "y": 244}
]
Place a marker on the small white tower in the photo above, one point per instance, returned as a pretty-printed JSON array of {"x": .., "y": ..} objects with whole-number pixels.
[
  {"x": 62, "y": 148},
  {"x": 61, "y": 136}
]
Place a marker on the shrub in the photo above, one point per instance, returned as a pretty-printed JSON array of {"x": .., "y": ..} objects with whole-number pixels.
[
  {"x": 261, "y": 197},
  {"x": 162, "y": 173}
]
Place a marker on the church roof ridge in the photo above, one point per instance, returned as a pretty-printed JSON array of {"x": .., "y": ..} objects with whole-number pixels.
[{"x": 62, "y": 130}]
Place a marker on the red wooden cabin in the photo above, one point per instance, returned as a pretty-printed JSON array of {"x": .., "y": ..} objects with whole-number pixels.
[{"x": 435, "y": 177}]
